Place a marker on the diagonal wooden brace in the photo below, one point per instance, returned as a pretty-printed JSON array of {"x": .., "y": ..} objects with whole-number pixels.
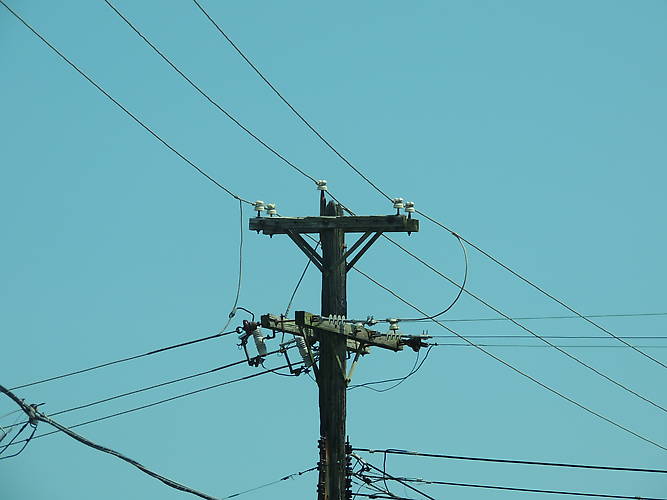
[{"x": 306, "y": 248}]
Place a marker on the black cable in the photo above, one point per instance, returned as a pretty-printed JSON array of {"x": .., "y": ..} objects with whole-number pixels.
[
  {"x": 458, "y": 295},
  {"x": 155, "y": 403},
  {"x": 207, "y": 97},
  {"x": 544, "y": 292},
  {"x": 384, "y": 194},
  {"x": 578, "y": 337},
  {"x": 399, "y": 380},
  {"x": 155, "y": 386},
  {"x": 285, "y": 100},
  {"x": 35, "y": 416},
  {"x": 122, "y": 360},
  {"x": 25, "y": 441},
  {"x": 123, "y": 108},
  {"x": 622, "y": 315},
  {"x": 570, "y": 346},
  {"x": 527, "y": 490},
  {"x": 536, "y": 335},
  {"x": 232, "y": 312},
  {"x": 517, "y": 370},
  {"x": 389, "y": 476},
  {"x": 393, "y": 451},
  {"x": 284, "y": 478},
  {"x": 298, "y": 284}
]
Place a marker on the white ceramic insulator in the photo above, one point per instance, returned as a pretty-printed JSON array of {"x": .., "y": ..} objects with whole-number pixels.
[
  {"x": 259, "y": 206},
  {"x": 259, "y": 342},
  {"x": 303, "y": 351},
  {"x": 271, "y": 209},
  {"x": 393, "y": 324},
  {"x": 410, "y": 207},
  {"x": 398, "y": 202},
  {"x": 322, "y": 185}
]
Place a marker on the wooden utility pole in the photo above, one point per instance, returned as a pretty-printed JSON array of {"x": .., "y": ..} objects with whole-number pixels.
[
  {"x": 334, "y": 342},
  {"x": 333, "y": 350}
]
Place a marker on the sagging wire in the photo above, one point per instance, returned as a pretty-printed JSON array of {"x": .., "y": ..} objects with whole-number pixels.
[
  {"x": 399, "y": 380},
  {"x": 232, "y": 313}
]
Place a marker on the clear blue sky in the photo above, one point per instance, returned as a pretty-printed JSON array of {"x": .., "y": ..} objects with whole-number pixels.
[{"x": 534, "y": 128}]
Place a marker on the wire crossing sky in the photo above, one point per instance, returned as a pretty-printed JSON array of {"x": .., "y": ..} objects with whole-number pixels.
[{"x": 534, "y": 129}]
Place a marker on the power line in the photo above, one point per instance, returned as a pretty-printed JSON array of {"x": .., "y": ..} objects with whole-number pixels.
[
  {"x": 385, "y": 195},
  {"x": 393, "y": 451},
  {"x": 544, "y": 292},
  {"x": 123, "y": 360},
  {"x": 162, "y": 401},
  {"x": 156, "y": 386},
  {"x": 285, "y": 100},
  {"x": 568, "y": 346},
  {"x": 622, "y": 315},
  {"x": 266, "y": 485},
  {"x": 35, "y": 416},
  {"x": 232, "y": 312},
  {"x": 123, "y": 108},
  {"x": 571, "y": 337},
  {"x": 207, "y": 97},
  {"x": 536, "y": 335},
  {"x": 399, "y": 380},
  {"x": 517, "y": 370},
  {"x": 523, "y": 490},
  {"x": 407, "y": 485}
]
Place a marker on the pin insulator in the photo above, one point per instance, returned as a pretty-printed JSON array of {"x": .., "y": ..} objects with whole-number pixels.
[
  {"x": 271, "y": 209},
  {"x": 398, "y": 203},
  {"x": 259, "y": 207},
  {"x": 322, "y": 185},
  {"x": 410, "y": 207}
]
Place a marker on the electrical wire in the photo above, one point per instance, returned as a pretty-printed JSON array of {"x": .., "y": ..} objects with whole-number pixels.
[
  {"x": 298, "y": 284},
  {"x": 273, "y": 88},
  {"x": 389, "y": 476},
  {"x": 517, "y": 370},
  {"x": 151, "y": 387},
  {"x": 526, "y": 490},
  {"x": 35, "y": 416},
  {"x": 399, "y": 380},
  {"x": 232, "y": 313},
  {"x": 123, "y": 360},
  {"x": 544, "y": 292},
  {"x": 156, "y": 403},
  {"x": 266, "y": 485},
  {"x": 568, "y": 346},
  {"x": 207, "y": 97},
  {"x": 458, "y": 295},
  {"x": 385, "y": 195},
  {"x": 123, "y": 108},
  {"x": 394, "y": 451},
  {"x": 578, "y": 337},
  {"x": 536, "y": 335},
  {"x": 622, "y": 315}
]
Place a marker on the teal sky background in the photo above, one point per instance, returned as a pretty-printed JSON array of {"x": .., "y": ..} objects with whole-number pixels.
[{"x": 536, "y": 129}]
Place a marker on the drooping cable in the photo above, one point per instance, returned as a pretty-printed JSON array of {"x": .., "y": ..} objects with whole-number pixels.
[
  {"x": 123, "y": 360},
  {"x": 123, "y": 108},
  {"x": 232, "y": 312},
  {"x": 394, "y": 451},
  {"x": 517, "y": 370},
  {"x": 528, "y": 330},
  {"x": 35, "y": 415},
  {"x": 399, "y": 380},
  {"x": 385, "y": 195},
  {"x": 389, "y": 476},
  {"x": 458, "y": 295}
]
